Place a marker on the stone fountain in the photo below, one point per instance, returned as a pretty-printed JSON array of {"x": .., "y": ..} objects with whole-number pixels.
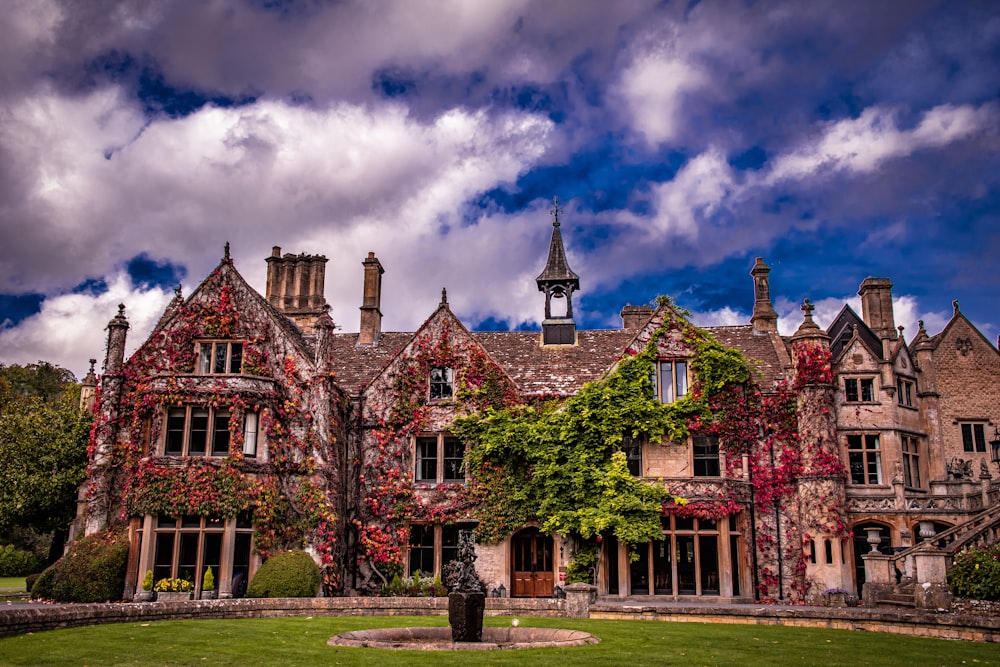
[{"x": 466, "y": 592}]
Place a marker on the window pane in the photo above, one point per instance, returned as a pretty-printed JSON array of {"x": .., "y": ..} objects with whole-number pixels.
[
  {"x": 220, "y": 358},
  {"x": 205, "y": 358},
  {"x": 708, "y": 557},
  {"x": 980, "y": 437},
  {"x": 449, "y": 544},
  {"x": 851, "y": 389},
  {"x": 868, "y": 390},
  {"x": 250, "y": 434},
  {"x": 220, "y": 437},
  {"x": 175, "y": 431},
  {"x": 422, "y": 550},
  {"x": 163, "y": 558},
  {"x": 682, "y": 379},
  {"x": 666, "y": 382},
  {"x": 235, "y": 357},
  {"x": 454, "y": 459},
  {"x": 967, "y": 437},
  {"x": 857, "y": 464},
  {"x": 187, "y": 557},
  {"x": 199, "y": 433},
  {"x": 426, "y": 459}
]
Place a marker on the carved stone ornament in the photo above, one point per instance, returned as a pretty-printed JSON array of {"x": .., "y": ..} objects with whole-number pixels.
[{"x": 964, "y": 345}]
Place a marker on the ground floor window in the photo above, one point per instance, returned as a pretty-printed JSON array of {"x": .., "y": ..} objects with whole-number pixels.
[
  {"x": 432, "y": 546},
  {"x": 690, "y": 559},
  {"x": 185, "y": 547}
]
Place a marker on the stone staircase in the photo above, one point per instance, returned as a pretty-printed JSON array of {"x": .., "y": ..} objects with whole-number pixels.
[{"x": 902, "y": 596}]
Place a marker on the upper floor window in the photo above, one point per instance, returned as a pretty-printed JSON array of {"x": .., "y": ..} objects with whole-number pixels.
[
  {"x": 633, "y": 454},
  {"x": 860, "y": 390},
  {"x": 439, "y": 458},
  {"x": 911, "y": 461},
  {"x": 442, "y": 386},
  {"x": 904, "y": 392},
  {"x": 865, "y": 457},
  {"x": 705, "y": 451},
  {"x": 220, "y": 357},
  {"x": 974, "y": 437},
  {"x": 670, "y": 380},
  {"x": 205, "y": 431}
]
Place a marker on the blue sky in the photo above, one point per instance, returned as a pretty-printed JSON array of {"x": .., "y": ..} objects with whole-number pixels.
[{"x": 838, "y": 140}]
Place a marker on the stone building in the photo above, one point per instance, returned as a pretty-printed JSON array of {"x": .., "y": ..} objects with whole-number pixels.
[{"x": 246, "y": 424}]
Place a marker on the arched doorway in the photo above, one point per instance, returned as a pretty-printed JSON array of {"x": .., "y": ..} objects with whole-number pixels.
[
  {"x": 862, "y": 547},
  {"x": 532, "y": 564}
]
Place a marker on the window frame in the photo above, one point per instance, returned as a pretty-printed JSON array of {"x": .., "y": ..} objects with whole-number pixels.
[
  {"x": 441, "y": 550},
  {"x": 680, "y": 384},
  {"x": 232, "y": 364},
  {"x": 708, "y": 457},
  {"x": 441, "y": 384},
  {"x": 632, "y": 448},
  {"x": 211, "y": 431},
  {"x": 448, "y": 457},
  {"x": 975, "y": 443},
  {"x": 855, "y": 389},
  {"x": 905, "y": 392},
  {"x": 868, "y": 457},
  {"x": 910, "y": 456}
]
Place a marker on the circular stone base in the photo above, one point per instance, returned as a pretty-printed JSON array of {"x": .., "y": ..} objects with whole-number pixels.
[{"x": 439, "y": 639}]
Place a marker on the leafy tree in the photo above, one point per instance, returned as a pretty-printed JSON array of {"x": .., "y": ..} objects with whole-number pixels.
[{"x": 43, "y": 449}]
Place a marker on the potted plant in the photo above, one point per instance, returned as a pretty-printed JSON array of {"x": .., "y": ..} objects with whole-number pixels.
[
  {"x": 145, "y": 593},
  {"x": 173, "y": 590},
  {"x": 835, "y": 597},
  {"x": 208, "y": 591}
]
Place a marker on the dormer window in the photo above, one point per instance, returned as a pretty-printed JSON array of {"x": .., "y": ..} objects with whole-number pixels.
[
  {"x": 442, "y": 385},
  {"x": 905, "y": 392},
  {"x": 670, "y": 380},
  {"x": 220, "y": 357}
]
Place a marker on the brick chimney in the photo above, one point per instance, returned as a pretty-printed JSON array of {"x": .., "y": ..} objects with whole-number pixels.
[
  {"x": 295, "y": 285},
  {"x": 876, "y": 306},
  {"x": 371, "y": 303}
]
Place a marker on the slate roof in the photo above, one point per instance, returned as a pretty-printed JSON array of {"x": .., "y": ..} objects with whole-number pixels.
[
  {"x": 354, "y": 366},
  {"x": 760, "y": 349}
]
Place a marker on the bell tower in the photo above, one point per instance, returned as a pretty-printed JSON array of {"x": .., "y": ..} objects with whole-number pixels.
[{"x": 558, "y": 281}]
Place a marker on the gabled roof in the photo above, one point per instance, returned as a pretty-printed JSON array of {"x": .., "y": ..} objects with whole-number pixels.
[
  {"x": 841, "y": 331},
  {"x": 761, "y": 350}
]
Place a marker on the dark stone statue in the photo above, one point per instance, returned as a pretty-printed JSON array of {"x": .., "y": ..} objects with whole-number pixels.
[{"x": 467, "y": 592}]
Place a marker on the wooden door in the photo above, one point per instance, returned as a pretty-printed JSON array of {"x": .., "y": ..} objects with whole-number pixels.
[{"x": 532, "y": 564}]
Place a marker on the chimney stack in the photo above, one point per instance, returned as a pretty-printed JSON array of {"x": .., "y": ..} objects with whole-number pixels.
[
  {"x": 371, "y": 303},
  {"x": 876, "y": 306},
  {"x": 295, "y": 286},
  {"x": 764, "y": 318},
  {"x": 633, "y": 317}
]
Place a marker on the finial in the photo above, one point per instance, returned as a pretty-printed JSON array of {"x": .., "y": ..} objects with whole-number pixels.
[
  {"x": 954, "y": 304},
  {"x": 177, "y": 292},
  {"x": 444, "y": 296},
  {"x": 900, "y": 329},
  {"x": 555, "y": 210},
  {"x": 93, "y": 362},
  {"x": 808, "y": 308},
  {"x": 121, "y": 310},
  {"x": 225, "y": 254}
]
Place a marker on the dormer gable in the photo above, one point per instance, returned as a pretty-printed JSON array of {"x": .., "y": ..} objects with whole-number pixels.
[{"x": 847, "y": 326}]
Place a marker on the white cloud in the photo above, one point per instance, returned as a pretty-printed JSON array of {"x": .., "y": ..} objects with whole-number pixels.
[
  {"x": 653, "y": 88},
  {"x": 861, "y": 145},
  {"x": 70, "y": 328}
]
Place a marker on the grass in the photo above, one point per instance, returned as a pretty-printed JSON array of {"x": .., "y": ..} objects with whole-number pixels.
[
  {"x": 12, "y": 584},
  {"x": 302, "y": 641}
]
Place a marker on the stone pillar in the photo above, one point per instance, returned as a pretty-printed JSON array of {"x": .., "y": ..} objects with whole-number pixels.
[
  {"x": 579, "y": 597},
  {"x": 88, "y": 389},
  {"x": 371, "y": 303},
  {"x": 879, "y": 577}
]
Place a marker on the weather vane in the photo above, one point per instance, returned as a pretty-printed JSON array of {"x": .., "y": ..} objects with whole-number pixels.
[{"x": 555, "y": 211}]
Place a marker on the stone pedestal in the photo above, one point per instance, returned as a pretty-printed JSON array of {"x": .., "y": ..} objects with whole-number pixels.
[
  {"x": 579, "y": 597},
  {"x": 465, "y": 615}
]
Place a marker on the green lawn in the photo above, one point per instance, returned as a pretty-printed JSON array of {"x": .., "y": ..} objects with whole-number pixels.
[
  {"x": 302, "y": 641},
  {"x": 12, "y": 584}
]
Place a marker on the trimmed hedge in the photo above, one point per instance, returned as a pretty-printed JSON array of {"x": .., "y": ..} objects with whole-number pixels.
[
  {"x": 290, "y": 574},
  {"x": 92, "y": 571},
  {"x": 16, "y": 562}
]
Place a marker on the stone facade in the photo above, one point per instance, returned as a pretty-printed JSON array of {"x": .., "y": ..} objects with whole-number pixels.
[{"x": 246, "y": 424}]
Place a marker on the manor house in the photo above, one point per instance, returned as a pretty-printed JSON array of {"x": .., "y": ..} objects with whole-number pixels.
[{"x": 247, "y": 424}]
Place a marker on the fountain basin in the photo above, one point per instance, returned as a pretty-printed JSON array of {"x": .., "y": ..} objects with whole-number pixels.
[{"x": 439, "y": 639}]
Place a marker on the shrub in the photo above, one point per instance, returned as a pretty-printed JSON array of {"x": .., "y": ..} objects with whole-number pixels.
[
  {"x": 208, "y": 581},
  {"x": 29, "y": 581},
  {"x": 975, "y": 573},
  {"x": 92, "y": 571},
  {"x": 290, "y": 574},
  {"x": 147, "y": 581},
  {"x": 414, "y": 586},
  {"x": 16, "y": 562}
]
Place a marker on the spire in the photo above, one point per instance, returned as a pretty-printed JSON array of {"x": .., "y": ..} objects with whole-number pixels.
[
  {"x": 557, "y": 268},
  {"x": 558, "y": 281}
]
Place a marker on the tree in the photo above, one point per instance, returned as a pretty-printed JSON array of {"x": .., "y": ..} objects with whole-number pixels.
[{"x": 43, "y": 449}]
